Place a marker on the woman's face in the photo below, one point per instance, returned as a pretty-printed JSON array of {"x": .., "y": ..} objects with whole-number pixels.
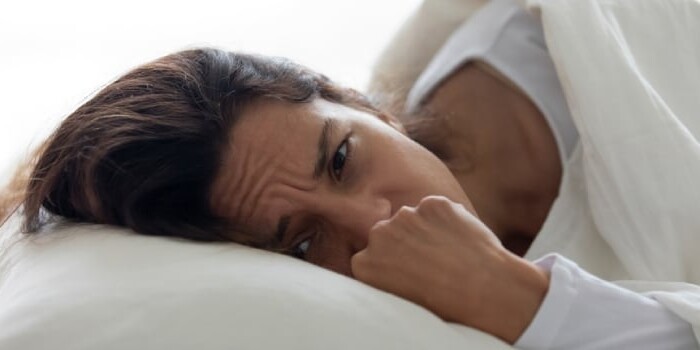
[{"x": 311, "y": 179}]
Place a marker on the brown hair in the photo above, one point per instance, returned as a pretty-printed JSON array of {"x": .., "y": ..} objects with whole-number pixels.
[{"x": 143, "y": 152}]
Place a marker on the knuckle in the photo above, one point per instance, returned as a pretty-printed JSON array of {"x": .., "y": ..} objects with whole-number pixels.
[
  {"x": 434, "y": 203},
  {"x": 361, "y": 258},
  {"x": 380, "y": 225},
  {"x": 435, "y": 200},
  {"x": 405, "y": 217},
  {"x": 361, "y": 265},
  {"x": 358, "y": 259},
  {"x": 404, "y": 212},
  {"x": 379, "y": 232}
]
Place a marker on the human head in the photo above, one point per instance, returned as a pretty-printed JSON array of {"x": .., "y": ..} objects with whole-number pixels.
[
  {"x": 312, "y": 179},
  {"x": 143, "y": 152},
  {"x": 157, "y": 151}
]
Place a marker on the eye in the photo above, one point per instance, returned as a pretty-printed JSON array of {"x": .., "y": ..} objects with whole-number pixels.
[
  {"x": 300, "y": 250},
  {"x": 337, "y": 163}
]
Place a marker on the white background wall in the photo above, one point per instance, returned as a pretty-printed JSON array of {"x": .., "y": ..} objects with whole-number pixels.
[{"x": 55, "y": 54}]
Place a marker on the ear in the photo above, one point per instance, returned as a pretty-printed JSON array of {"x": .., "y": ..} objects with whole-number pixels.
[{"x": 392, "y": 121}]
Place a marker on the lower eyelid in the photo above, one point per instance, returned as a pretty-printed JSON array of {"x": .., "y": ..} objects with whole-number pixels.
[{"x": 317, "y": 235}]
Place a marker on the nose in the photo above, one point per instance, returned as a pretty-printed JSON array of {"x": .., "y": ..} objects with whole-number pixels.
[{"x": 355, "y": 214}]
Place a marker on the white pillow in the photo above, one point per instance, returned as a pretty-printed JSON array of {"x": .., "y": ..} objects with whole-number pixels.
[{"x": 97, "y": 287}]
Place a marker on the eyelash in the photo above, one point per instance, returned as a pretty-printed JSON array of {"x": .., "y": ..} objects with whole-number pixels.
[
  {"x": 348, "y": 156},
  {"x": 310, "y": 238},
  {"x": 298, "y": 253}
]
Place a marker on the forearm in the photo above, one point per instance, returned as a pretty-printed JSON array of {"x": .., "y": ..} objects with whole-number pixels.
[{"x": 513, "y": 298}]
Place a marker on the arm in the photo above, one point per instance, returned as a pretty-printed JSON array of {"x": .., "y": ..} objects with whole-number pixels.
[{"x": 442, "y": 257}]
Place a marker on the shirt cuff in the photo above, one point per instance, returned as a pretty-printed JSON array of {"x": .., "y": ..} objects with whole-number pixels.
[
  {"x": 581, "y": 311},
  {"x": 555, "y": 307}
]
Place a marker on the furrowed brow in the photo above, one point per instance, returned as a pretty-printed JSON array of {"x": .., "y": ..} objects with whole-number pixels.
[
  {"x": 323, "y": 140},
  {"x": 321, "y": 160}
]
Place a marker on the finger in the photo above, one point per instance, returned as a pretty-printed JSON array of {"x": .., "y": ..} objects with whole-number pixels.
[
  {"x": 395, "y": 228},
  {"x": 447, "y": 215},
  {"x": 387, "y": 275},
  {"x": 406, "y": 221},
  {"x": 437, "y": 206},
  {"x": 360, "y": 265}
]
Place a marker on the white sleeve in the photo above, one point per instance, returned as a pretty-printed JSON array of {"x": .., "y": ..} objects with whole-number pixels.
[{"x": 581, "y": 311}]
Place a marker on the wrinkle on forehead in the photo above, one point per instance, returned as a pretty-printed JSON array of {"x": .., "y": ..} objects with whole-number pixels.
[
  {"x": 262, "y": 189},
  {"x": 270, "y": 156}
]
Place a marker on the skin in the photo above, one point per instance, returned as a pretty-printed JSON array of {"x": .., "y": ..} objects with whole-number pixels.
[
  {"x": 501, "y": 151},
  {"x": 385, "y": 210},
  {"x": 269, "y": 174}
]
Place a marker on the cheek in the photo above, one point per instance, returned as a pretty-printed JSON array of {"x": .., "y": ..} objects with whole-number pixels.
[{"x": 408, "y": 157}]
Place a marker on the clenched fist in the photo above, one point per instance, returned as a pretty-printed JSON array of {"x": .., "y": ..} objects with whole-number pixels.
[{"x": 439, "y": 255}]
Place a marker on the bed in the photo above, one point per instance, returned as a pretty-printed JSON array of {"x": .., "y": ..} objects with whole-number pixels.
[{"x": 627, "y": 211}]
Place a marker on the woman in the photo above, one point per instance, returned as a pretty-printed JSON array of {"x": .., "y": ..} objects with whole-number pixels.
[{"x": 216, "y": 146}]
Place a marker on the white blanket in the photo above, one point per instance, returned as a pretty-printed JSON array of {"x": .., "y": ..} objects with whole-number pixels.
[{"x": 628, "y": 208}]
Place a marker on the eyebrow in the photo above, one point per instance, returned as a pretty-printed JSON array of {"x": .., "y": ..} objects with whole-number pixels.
[
  {"x": 281, "y": 229},
  {"x": 321, "y": 159},
  {"x": 323, "y": 140}
]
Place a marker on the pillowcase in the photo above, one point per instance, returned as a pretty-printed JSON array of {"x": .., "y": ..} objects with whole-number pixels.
[{"x": 78, "y": 286}]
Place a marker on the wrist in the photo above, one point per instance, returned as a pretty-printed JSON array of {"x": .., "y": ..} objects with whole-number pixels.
[{"x": 516, "y": 294}]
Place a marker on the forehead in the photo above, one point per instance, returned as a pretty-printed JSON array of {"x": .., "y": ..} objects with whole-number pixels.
[
  {"x": 270, "y": 157},
  {"x": 269, "y": 125}
]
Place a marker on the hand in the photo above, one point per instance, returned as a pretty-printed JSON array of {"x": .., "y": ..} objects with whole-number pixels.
[{"x": 442, "y": 257}]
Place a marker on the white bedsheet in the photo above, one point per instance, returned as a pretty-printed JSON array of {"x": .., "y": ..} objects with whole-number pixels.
[{"x": 630, "y": 200}]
